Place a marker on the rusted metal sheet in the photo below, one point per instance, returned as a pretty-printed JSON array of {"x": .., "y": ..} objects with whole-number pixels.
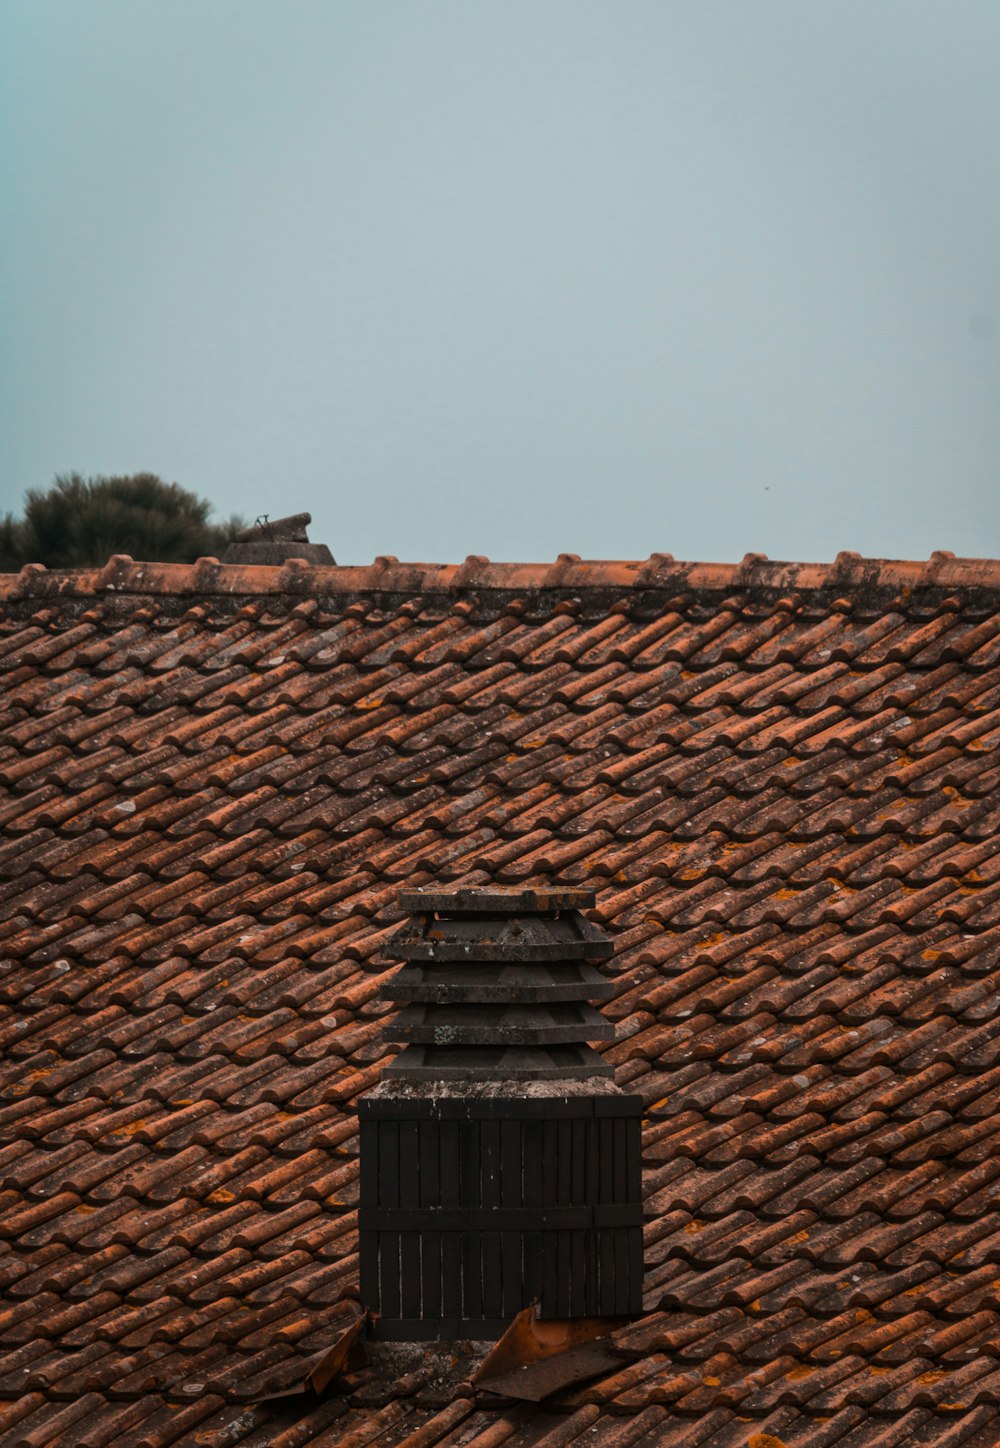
[
  {"x": 537, "y": 1357},
  {"x": 345, "y": 1354}
]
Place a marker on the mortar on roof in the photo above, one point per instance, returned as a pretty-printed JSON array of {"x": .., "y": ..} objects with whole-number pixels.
[{"x": 440, "y": 1367}]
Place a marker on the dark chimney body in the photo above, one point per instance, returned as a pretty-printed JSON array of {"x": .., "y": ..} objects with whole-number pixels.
[
  {"x": 500, "y": 1164},
  {"x": 272, "y": 541}
]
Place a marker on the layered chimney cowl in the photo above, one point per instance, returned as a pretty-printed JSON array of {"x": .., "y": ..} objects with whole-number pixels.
[{"x": 500, "y": 1164}]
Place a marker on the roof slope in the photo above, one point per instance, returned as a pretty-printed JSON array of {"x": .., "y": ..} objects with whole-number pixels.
[{"x": 782, "y": 783}]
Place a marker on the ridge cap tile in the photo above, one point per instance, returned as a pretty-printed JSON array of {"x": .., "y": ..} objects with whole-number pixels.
[{"x": 207, "y": 577}]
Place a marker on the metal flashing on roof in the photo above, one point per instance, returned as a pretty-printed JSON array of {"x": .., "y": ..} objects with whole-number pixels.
[{"x": 538, "y": 1357}]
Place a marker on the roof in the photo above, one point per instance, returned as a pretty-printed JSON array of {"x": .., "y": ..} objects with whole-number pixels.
[{"x": 780, "y": 779}]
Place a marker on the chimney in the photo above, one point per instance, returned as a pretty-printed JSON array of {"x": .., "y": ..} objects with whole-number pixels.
[
  {"x": 273, "y": 540},
  {"x": 500, "y": 1164}
]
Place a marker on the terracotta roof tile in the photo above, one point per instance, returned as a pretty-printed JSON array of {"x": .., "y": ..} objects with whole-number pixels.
[{"x": 780, "y": 779}]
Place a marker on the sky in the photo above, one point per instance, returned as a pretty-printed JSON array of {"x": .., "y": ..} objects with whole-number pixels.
[{"x": 513, "y": 277}]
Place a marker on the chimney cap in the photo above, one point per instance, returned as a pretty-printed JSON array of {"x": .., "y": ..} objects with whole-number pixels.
[
  {"x": 497, "y": 900},
  {"x": 266, "y": 528},
  {"x": 466, "y": 938},
  {"x": 272, "y": 541}
]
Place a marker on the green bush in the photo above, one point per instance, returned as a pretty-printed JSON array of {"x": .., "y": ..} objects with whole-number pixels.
[{"x": 80, "y": 522}]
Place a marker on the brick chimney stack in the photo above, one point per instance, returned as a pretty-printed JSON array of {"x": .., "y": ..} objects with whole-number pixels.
[{"x": 500, "y": 1164}]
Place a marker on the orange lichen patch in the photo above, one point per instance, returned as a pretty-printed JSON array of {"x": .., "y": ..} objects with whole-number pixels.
[
  {"x": 130, "y": 1128},
  {"x": 765, "y": 1440}
]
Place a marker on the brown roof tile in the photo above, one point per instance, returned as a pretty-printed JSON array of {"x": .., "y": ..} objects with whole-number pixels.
[{"x": 782, "y": 782}]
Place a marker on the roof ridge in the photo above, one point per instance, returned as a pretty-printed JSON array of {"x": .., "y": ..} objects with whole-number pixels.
[{"x": 296, "y": 576}]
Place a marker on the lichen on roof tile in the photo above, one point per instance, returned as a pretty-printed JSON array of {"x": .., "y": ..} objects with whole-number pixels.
[{"x": 782, "y": 782}]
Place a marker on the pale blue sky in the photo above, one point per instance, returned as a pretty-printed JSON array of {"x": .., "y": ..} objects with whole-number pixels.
[{"x": 484, "y": 276}]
